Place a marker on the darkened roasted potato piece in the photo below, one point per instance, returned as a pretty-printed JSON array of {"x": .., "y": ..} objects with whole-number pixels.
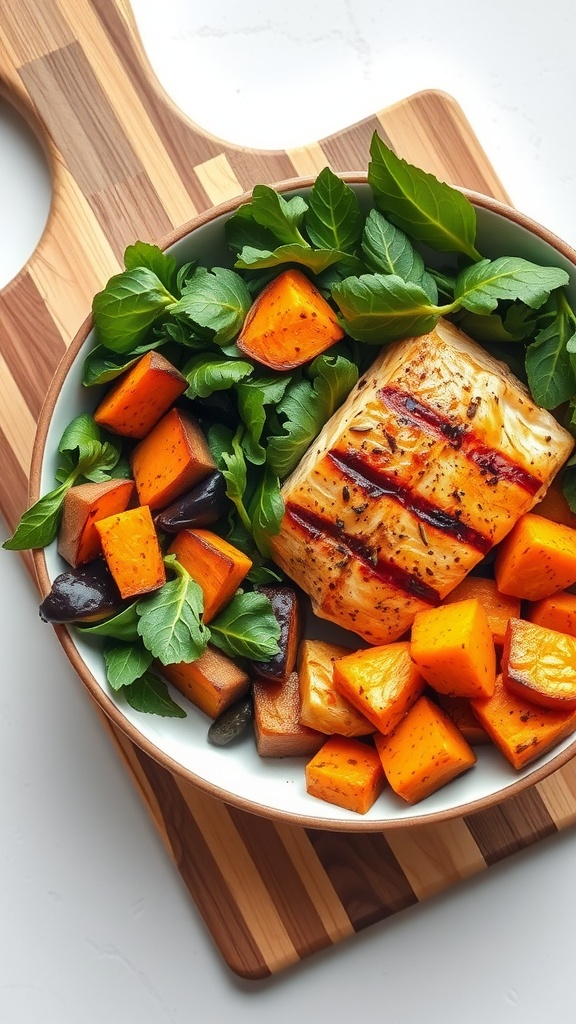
[
  {"x": 286, "y": 605},
  {"x": 201, "y": 506},
  {"x": 85, "y": 594}
]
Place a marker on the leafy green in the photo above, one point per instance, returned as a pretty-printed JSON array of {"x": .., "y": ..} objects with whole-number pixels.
[
  {"x": 101, "y": 365},
  {"x": 266, "y": 511},
  {"x": 123, "y": 626},
  {"x": 388, "y": 250},
  {"x": 150, "y": 695},
  {"x": 125, "y": 310},
  {"x": 315, "y": 260},
  {"x": 170, "y": 619},
  {"x": 333, "y": 219},
  {"x": 426, "y": 209},
  {"x": 247, "y": 628},
  {"x": 377, "y": 308},
  {"x": 39, "y": 524},
  {"x": 551, "y": 376},
  {"x": 254, "y": 395},
  {"x": 479, "y": 288},
  {"x": 125, "y": 662},
  {"x": 282, "y": 217},
  {"x": 208, "y": 373},
  {"x": 142, "y": 254},
  {"x": 217, "y": 300}
]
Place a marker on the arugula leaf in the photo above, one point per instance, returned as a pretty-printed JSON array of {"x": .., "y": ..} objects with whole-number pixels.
[
  {"x": 282, "y": 217},
  {"x": 479, "y": 288},
  {"x": 382, "y": 307},
  {"x": 123, "y": 626},
  {"x": 247, "y": 628},
  {"x": 207, "y": 373},
  {"x": 254, "y": 395},
  {"x": 150, "y": 695},
  {"x": 266, "y": 511},
  {"x": 217, "y": 300},
  {"x": 306, "y": 406},
  {"x": 428, "y": 210},
  {"x": 388, "y": 250},
  {"x": 551, "y": 377},
  {"x": 333, "y": 219},
  {"x": 142, "y": 254},
  {"x": 126, "y": 308},
  {"x": 315, "y": 260},
  {"x": 125, "y": 662},
  {"x": 170, "y": 621},
  {"x": 39, "y": 525},
  {"x": 227, "y": 452}
]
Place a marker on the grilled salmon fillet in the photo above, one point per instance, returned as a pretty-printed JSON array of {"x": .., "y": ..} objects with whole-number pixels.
[{"x": 433, "y": 457}]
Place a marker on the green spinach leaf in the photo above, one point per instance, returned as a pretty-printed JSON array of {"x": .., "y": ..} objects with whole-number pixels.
[
  {"x": 150, "y": 695},
  {"x": 247, "y": 628}
]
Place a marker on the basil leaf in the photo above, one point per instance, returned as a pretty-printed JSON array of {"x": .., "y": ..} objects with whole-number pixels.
[
  {"x": 39, "y": 524},
  {"x": 266, "y": 511},
  {"x": 206, "y": 374},
  {"x": 127, "y": 307},
  {"x": 282, "y": 217},
  {"x": 253, "y": 397},
  {"x": 217, "y": 300},
  {"x": 428, "y": 210},
  {"x": 479, "y": 288},
  {"x": 247, "y": 628},
  {"x": 382, "y": 307},
  {"x": 551, "y": 377},
  {"x": 150, "y": 695},
  {"x": 388, "y": 250},
  {"x": 333, "y": 219},
  {"x": 123, "y": 626},
  {"x": 142, "y": 254},
  {"x": 125, "y": 663},
  {"x": 169, "y": 621},
  {"x": 315, "y": 260}
]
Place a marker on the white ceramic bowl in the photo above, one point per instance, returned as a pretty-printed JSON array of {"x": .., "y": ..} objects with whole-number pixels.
[{"x": 236, "y": 774}]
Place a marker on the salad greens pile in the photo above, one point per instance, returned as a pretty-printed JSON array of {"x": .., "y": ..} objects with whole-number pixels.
[{"x": 390, "y": 268}]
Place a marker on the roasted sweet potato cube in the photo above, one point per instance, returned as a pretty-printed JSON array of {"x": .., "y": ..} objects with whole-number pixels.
[
  {"x": 287, "y": 610},
  {"x": 424, "y": 752},
  {"x": 346, "y": 772},
  {"x": 217, "y": 566},
  {"x": 459, "y": 709},
  {"x": 131, "y": 549},
  {"x": 453, "y": 649},
  {"x": 170, "y": 459},
  {"x": 277, "y": 726},
  {"x": 137, "y": 399},
  {"x": 84, "y": 505},
  {"x": 289, "y": 323},
  {"x": 213, "y": 682},
  {"x": 539, "y": 665},
  {"x": 498, "y": 607},
  {"x": 536, "y": 559},
  {"x": 520, "y": 729},
  {"x": 323, "y": 706},
  {"x": 381, "y": 682},
  {"x": 556, "y": 612}
]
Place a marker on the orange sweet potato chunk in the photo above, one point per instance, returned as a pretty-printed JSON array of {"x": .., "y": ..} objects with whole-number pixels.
[
  {"x": 217, "y": 566},
  {"x": 277, "y": 726},
  {"x": 453, "y": 649},
  {"x": 381, "y": 682},
  {"x": 498, "y": 607},
  {"x": 323, "y": 707},
  {"x": 556, "y": 612},
  {"x": 536, "y": 559},
  {"x": 347, "y": 773},
  {"x": 138, "y": 399},
  {"x": 520, "y": 729},
  {"x": 424, "y": 752},
  {"x": 213, "y": 682},
  {"x": 131, "y": 549},
  {"x": 289, "y": 323},
  {"x": 84, "y": 505},
  {"x": 170, "y": 460},
  {"x": 539, "y": 665}
]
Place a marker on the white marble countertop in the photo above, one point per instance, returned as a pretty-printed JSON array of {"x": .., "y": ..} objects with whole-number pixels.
[{"x": 95, "y": 924}]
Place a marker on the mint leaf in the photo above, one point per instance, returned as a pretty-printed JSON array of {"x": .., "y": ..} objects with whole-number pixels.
[
  {"x": 142, "y": 254},
  {"x": 426, "y": 209},
  {"x": 207, "y": 373},
  {"x": 247, "y": 628},
  {"x": 170, "y": 619},
  {"x": 217, "y": 300},
  {"x": 126, "y": 308},
  {"x": 125, "y": 662},
  {"x": 551, "y": 377},
  {"x": 123, "y": 626},
  {"x": 388, "y": 250},
  {"x": 315, "y": 260},
  {"x": 479, "y": 288},
  {"x": 382, "y": 307},
  {"x": 150, "y": 695},
  {"x": 333, "y": 219}
]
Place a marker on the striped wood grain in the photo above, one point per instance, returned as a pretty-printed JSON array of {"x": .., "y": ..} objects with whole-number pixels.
[{"x": 126, "y": 163}]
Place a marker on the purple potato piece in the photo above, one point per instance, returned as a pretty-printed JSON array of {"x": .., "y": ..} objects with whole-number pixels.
[
  {"x": 287, "y": 608},
  {"x": 87, "y": 593},
  {"x": 201, "y": 506}
]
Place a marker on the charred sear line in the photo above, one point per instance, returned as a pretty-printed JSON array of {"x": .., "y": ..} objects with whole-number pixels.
[
  {"x": 318, "y": 527},
  {"x": 376, "y": 484},
  {"x": 492, "y": 463}
]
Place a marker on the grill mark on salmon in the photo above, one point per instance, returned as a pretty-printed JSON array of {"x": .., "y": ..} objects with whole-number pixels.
[
  {"x": 317, "y": 526},
  {"x": 462, "y": 438},
  {"x": 376, "y": 484}
]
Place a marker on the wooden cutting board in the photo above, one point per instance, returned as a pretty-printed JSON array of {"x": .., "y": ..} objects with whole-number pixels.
[{"x": 127, "y": 164}]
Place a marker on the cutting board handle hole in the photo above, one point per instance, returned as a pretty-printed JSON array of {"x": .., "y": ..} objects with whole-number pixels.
[{"x": 23, "y": 210}]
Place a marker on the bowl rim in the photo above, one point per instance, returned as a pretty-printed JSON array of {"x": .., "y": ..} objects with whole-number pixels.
[{"x": 107, "y": 705}]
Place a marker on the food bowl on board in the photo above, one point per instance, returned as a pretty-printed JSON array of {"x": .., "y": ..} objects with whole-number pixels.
[{"x": 235, "y": 773}]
